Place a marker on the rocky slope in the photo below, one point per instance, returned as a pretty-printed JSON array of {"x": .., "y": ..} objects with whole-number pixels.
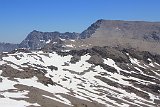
[
  {"x": 95, "y": 77},
  {"x": 141, "y": 35},
  {"x": 131, "y": 29},
  {"x": 36, "y": 39}
]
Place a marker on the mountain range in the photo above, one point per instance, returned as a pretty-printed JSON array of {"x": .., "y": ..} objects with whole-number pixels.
[
  {"x": 141, "y": 35},
  {"x": 112, "y": 63}
]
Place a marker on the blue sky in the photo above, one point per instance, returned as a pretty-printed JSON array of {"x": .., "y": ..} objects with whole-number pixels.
[{"x": 19, "y": 17}]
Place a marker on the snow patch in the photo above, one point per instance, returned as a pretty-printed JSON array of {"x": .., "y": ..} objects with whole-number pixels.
[
  {"x": 48, "y": 41},
  {"x": 15, "y": 94},
  {"x": 72, "y": 40},
  {"x": 6, "y": 102},
  {"x": 71, "y": 45}
]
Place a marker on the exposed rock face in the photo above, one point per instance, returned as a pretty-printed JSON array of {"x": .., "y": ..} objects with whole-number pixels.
[
  {"x": 27, "y": 73},
  {"x": 96, "y": 59},
  {"x": 111, "y": 53},
  {"x": 52, "y": 67},
  {"x": 91, "y": 29},
  {"x": 117, "y": 28},
  {"x": 54, "y": 45},
  {"x": 36, "y": 39},
  {"x": 75, "y": 59},
  {"x": 0, "y": 79}
]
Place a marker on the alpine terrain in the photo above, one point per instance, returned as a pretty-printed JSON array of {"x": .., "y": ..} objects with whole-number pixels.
[{"x": 112, "y": 63}]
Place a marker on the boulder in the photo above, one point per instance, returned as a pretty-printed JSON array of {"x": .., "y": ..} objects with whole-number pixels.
[{"x": 96, "y": 59}]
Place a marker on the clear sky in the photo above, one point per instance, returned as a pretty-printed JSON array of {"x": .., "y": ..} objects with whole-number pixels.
[{"x": 19, "y": 17}]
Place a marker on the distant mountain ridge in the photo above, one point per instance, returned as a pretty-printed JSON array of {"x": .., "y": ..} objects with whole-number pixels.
[
  {"x": 141, "y": 35},
  {"x": 6, "y": 47},
  {"x": 37, "y": 39},
  {"x": 132, "y": 29},
  {"x": 101, "y": 33}
]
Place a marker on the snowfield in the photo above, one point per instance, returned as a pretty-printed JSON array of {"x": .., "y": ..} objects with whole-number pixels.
[{"x": 81, "y": 80}]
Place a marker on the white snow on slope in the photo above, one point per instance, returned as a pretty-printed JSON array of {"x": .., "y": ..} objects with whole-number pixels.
[
  {"x": 6, "y": 84},
  {"x": 2, "y": 62},
  {"x": 69, "y": 45},
  {"x": 15, "y": 94},
  {"x": 6, "y": 102},
  {"x": 73, "y": 80},
  {"x": 48, "y": 41}
]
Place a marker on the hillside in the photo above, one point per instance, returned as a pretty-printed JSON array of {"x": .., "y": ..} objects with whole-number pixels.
[
  {"x": 110, "y": 64},
  {"x": 96, "y": 77},
  {"x": 144, "y": 36}
]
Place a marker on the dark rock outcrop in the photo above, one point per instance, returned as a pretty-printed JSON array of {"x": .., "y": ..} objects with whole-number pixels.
[
  {"x": 112, "y": 53},
  {"x": 54, "y": 45},
  {"x": 12, "y": 73},
  {"x": 36, "y": 39},
  {"x": 75, "y": 59},
  {"x": 96, "y": 59},
  {"x": 52, "y": 68}
]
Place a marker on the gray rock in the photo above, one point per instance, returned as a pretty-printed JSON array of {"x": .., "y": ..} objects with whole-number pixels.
[
  {"x": 27, "y": 73},
  {"x": 52, "y": 67},
  {"x": 75, "y": 59},
  {"x": 0, "y": 79},
  {"x": 96, "y": 59},
  {"x": 108, "y": 52}
]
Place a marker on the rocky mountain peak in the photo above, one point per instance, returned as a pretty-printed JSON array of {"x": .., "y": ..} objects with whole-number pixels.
[
  {"x": 119, "y": 28},
  {"x": 136, "y": 34},
  {"x": 91, "y": 29},
  {"x": 36, "y": 39}
]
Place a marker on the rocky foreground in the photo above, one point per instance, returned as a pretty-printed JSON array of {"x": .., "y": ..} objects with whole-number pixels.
[{"x": 96, "y": 77}]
